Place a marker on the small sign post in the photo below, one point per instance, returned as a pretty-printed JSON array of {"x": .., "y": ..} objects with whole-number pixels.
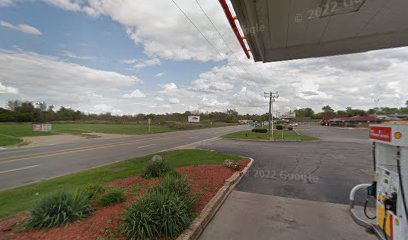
[{"x": 149, "y": 121}]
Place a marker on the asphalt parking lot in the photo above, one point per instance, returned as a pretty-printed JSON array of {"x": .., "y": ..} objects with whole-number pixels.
[
  {"x": 296, "y": 190},
  {"x": 320, "y": 171}
]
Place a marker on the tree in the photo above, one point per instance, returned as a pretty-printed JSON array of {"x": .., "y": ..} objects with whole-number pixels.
[
  {"x": 372, "y": 111},
  {"x": 341, "y": 113},
  {"x": 355, "y": 112},
  {"x": 327, "y": 109},
  {"x": 304, "y": 113},
  {"x": 13, "y": 104}
]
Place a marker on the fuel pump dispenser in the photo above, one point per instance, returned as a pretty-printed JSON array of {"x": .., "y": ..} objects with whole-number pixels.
[{"x": 390, "y": 187}]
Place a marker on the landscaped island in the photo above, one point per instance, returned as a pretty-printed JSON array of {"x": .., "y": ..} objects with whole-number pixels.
[
  {"x": 278, "y": 135},
  {"x": 143, "y": 198}
]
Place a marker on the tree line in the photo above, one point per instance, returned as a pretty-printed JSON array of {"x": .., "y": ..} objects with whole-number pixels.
[
  {"x": 26, "y": 111},
  {"x": 349, "y": 112}
]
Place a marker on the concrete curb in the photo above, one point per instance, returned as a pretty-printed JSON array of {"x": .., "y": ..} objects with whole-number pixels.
[{"x": 199, "y": 224}]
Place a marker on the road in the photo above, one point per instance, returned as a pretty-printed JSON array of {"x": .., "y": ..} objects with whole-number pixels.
[{"x": 28, "y": 165}]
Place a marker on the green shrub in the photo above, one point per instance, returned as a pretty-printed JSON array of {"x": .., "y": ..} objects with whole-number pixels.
[
  {"x": 156, "y": 169},
  {"x": 113, "y": 196},
  {"x": 260, "y": 130},
  {"x": 174, "y": 183},
  {"x": 158, "y": 214},
  {"x": 93, "y": 191},
  {"x": 279, "y": 127},
  {"x": 165, "y": 211},
  {"x": 59, "y": 209},
  {"x": 173, "y": 173}
]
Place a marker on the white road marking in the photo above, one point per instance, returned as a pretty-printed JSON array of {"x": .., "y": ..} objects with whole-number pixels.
[
  {"x": 19, "y": 169},
  {"x": 147, "y": 145},
  {"x": 194, "y": 137}
]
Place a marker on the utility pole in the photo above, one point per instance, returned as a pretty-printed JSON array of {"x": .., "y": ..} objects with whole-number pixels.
[
  {"x": 272, "y": 97},
  {"x": 376, "y": 101}
]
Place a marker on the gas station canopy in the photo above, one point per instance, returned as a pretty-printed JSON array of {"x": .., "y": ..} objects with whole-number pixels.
[{"x": 277, "y": 30}]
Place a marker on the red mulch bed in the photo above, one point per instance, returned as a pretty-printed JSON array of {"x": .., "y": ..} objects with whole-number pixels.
[{"x": 104, "y": 222}]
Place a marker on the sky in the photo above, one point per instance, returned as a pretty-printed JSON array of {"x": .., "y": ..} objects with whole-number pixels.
[{"x": 138, "y": 56}]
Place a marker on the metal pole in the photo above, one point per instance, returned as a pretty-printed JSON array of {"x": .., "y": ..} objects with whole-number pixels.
[
  {"x": 272, "y": 97},
  {"x": 270, "y": 126},
  {"x": 272, "y": 100}
]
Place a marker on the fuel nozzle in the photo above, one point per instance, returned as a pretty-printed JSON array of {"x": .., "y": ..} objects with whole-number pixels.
[
  {"x": 391, "y": 203},
  {"x": 372, "y": 189}
]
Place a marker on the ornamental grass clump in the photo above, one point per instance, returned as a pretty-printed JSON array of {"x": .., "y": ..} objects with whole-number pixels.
[
  {"x": 164, "y": 211},
  {"x": 173, "y": 183},
  {"x": 113, "y": 196},
  {"x": 156, "y": 168},
  {"x": 59, "y": 209}
]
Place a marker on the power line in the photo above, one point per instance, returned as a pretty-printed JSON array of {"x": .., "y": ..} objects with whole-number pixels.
[
  {"x": 208, "y": 41},
  {"x": 215, "y": 27},
  {"x": 198, "y": 29},
  {"x": 219, "y": 33},
  {"x": 202, "y": 34}
]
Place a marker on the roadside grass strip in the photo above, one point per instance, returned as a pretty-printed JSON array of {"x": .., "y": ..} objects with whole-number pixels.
[{"x": 20, "y": 199}]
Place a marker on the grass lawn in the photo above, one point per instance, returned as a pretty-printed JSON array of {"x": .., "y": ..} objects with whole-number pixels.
[
  {"x": 22, "y": 198},
  {"x": 6, "y": 140},
  {"x": 79, "y": 128},
  {"x": 10, "y": 133},
  {"x": 277, "y": 134}
]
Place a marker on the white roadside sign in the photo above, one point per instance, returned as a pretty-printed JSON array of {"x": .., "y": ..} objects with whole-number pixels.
[{"x": 193, "y": 119}]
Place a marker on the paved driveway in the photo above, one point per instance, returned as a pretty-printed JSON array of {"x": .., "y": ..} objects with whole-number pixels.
[{"x": 313, "y": 177}]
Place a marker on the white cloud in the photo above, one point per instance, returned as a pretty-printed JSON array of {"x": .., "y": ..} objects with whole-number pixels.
[
  {"x": 40, "y": 77},
  {"x": 5, "y": 2},
  {"x": 8, "y": 89},
  {"x": 71, "y": 5},
  {"x": 211, "y": 103},
  {"x": 103, "y": 108},
  {"x": 173, "y": 100},
  {"x": 163, "y": 31},
  {"x": 21, "y": 27},
  {"x": 248, "y": 98},
  {"x": 130, "y": 61},
  {"x": 169, "y": 87},
  {"x": 161, "y": 74},
  {"x": 142, "y": 63},
  {"x": 217, "y": 80},
  {"x": 159, "y": 99},
  {"x": 349, "y": 80},
  {"x": 135, "y": 94},
  {"x": 75, "y": 56}
]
